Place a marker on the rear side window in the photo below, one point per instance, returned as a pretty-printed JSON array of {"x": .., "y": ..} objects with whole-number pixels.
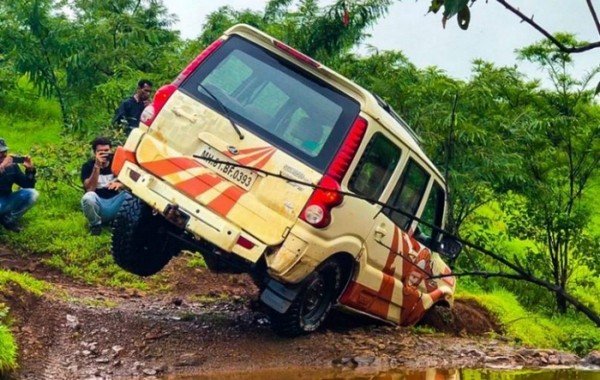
[
  {"x": 375, "y": 167},
  {"x": 275, "y": 99},
  {"x": 408, "y": 193},
  {"x": 434, "y": 211}
]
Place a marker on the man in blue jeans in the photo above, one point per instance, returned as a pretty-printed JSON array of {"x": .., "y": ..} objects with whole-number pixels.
[
  {"x": 102, "y": 198},
  {"x": 13, "y": 204}
]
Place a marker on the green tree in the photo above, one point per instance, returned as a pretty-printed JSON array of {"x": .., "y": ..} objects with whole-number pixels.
[
  {"x": 560, "y": 153},
  {"x": 320, "y": 32}
]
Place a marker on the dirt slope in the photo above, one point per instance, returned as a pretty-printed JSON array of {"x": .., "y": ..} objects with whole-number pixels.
[{"x": 211, "y": 323}]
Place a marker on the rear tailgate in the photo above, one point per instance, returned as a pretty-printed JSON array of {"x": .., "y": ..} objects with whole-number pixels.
[{"x": 264, "y": 206}]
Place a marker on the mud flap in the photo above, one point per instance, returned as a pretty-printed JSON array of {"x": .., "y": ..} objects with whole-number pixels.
[{"x": 279, "y": 296}]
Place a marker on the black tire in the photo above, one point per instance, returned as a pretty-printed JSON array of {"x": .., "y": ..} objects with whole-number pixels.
[
  {"x": 214, "y": 264},
  {"x": 139, "y": 242},
  {"x": 308, "y": 311}
]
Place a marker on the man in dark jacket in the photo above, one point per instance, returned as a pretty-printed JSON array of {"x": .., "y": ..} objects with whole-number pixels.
[
  {"x": 129, "y": 112},
  {"x": 13, "y": 204}
]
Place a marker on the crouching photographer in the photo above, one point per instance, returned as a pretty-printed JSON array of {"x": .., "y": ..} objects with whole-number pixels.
[
  {"x": 102, "y": 198},
  {"x": 13, "y": 204}
]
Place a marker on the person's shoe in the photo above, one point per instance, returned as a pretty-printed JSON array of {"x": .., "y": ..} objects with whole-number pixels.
[
  {"x": 12, "y": 226},
  {"x": 96, "y": 230}
]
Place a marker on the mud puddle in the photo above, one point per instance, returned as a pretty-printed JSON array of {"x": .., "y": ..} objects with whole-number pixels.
[{"x": 398, "y": 374}]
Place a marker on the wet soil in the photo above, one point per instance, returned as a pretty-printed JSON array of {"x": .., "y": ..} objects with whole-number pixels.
[{"x": 209, "y": 323}]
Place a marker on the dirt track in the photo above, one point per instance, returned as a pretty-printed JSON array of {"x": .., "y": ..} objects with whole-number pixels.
[{"x": 211, "y": 323}]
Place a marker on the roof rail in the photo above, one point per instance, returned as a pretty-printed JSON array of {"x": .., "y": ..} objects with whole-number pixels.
[{"x": 383, "y": 104}]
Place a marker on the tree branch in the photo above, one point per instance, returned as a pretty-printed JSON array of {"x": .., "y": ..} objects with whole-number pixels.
[
  {"x": 594, "y": 15},
  {"x": 560, "y": 45}
]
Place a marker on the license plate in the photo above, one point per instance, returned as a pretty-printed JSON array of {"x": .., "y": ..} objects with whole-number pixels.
[{"x": 244, "y": 178}]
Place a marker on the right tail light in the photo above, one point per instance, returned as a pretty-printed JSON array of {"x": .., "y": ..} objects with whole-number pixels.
[{"x": 317, "y": 211}]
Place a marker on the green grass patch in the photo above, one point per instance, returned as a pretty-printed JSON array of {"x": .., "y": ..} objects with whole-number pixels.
[
  {"x": 571, "y": 332},
  {"x": 8, "y": 350},
  {"x": 8, "y": 346}
]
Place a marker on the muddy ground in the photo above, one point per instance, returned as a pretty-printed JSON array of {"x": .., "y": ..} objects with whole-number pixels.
[{"x": 211, "y": 323}]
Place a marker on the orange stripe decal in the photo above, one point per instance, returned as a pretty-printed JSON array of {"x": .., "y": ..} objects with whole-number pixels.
[
  {"x": 198, "y": 185},
  {"x": 264, "y": 161},
  {"x": 225, "y": 202},
  {"x": 170, "y": 165},
  {"x": 253, "y": 157}
]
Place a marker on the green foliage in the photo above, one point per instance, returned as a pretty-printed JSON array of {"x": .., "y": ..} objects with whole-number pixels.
[
  {"x": 8, "y": 350},
  {"x": 534, "y": 329},
  {"x": 8, "y": 346}
]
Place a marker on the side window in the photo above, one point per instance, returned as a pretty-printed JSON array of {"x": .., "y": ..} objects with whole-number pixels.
[
  {"x": 432, "y": 214},
  {"x": 375, "y": 167},
  {"x": 407, "y": 194}
]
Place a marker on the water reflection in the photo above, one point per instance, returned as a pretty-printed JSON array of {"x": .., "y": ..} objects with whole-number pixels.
[{"x": 430, "y": 374}]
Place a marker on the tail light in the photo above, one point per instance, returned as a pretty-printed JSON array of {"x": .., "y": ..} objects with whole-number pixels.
[
  {"x": 164, "y": 93},
  {"x": 160, "y": 99},
  {"x": 317, "y": 211}
]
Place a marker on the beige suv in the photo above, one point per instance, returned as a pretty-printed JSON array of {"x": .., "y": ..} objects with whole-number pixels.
[{"x": 268, "y": 162}]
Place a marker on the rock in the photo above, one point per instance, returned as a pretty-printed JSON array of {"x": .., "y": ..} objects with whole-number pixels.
[
  {"x": 177, "y": 301},
  {"x": 73, "y": 322},
  {"x": 117, "y": 349},
  {"x": 567, "y": 358},
  {"x": 149, "y": 372},
  {"x": 102, "y": 360},
  {"x": 343, "y": 362},
  {"x": 363, "y": 361},
  {"x": 86, "y": 352},
  {"x": 190, "y": 360},
  {"x": 593, "y": 358}
]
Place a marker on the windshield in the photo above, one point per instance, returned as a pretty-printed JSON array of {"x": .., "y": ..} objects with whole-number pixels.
[{"x": 275, "y": 99}]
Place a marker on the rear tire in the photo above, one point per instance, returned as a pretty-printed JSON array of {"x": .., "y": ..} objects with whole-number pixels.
[
  {"x": 309, "y": 309},
  {"x": 140, "y": 244}
]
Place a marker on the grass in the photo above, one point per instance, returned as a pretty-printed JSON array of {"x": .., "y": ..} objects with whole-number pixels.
[
  {"x": 55, "y": 226},
  {"x": 8, "y": 346},
  {"x": 572, "y": 332}
]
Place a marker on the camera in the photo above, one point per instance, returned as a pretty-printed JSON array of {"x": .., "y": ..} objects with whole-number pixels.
[{"x": 18, "y": 159}]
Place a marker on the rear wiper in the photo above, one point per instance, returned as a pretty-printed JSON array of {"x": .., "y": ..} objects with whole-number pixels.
[{"x": 223, "y": 109}]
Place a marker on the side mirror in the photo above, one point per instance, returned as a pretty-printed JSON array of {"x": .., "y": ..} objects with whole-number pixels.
[{"x": 450, "y": 247}]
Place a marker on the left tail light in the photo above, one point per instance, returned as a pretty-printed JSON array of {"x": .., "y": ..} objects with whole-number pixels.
[{"x": 164, "y": 93}]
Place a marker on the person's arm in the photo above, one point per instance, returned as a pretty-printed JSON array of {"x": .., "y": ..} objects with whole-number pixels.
[
  {"x": 26, "y": 180},
  {"x": 90, "y": 181},
  {"x": 120, "y": 114}
]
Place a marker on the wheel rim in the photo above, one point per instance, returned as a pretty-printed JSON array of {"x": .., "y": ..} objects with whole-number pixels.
[{"x": 317, "y": 299}]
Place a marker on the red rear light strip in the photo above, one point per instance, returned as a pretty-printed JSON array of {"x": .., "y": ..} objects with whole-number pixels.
[
  {"x": 197, "y": 61},
  {"x": 338, "y": 168},
  {"x": 296, "y": 54},
  {"x": 327, "y": 196}
]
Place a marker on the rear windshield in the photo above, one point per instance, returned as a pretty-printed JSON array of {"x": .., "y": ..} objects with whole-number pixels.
[{"x": 276, "y": 100}]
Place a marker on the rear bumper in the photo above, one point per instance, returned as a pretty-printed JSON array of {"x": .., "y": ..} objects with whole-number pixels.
[{"x": 202, "y": 223}]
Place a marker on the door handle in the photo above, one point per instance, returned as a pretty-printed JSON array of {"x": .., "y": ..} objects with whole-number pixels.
[
  {"x": 380, "y": 232},
  {"x": 181, "y": 113}
]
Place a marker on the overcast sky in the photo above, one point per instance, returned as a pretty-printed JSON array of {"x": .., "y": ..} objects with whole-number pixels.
[{"x": 493, "y": 35}]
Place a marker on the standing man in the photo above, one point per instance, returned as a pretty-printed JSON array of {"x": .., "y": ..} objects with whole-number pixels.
[
  {"x": 14, "y": 204},
  {"x": 129, "y": 112},
  {"x": 102, "y": 198}
]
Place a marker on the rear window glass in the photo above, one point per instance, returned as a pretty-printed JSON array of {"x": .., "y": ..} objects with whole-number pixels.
[{"x": 275, "y": 99}]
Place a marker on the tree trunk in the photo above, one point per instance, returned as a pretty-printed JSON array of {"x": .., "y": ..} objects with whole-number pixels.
[{"x": 561, "y": 303}]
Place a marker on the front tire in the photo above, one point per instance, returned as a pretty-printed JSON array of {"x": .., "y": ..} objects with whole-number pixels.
[
  {"x": 309, "y": 309},
  {"x": 140, "y": 244}
]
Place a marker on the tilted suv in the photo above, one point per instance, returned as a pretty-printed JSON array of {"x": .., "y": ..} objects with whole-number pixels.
[{"x": 268, "y": 162}]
